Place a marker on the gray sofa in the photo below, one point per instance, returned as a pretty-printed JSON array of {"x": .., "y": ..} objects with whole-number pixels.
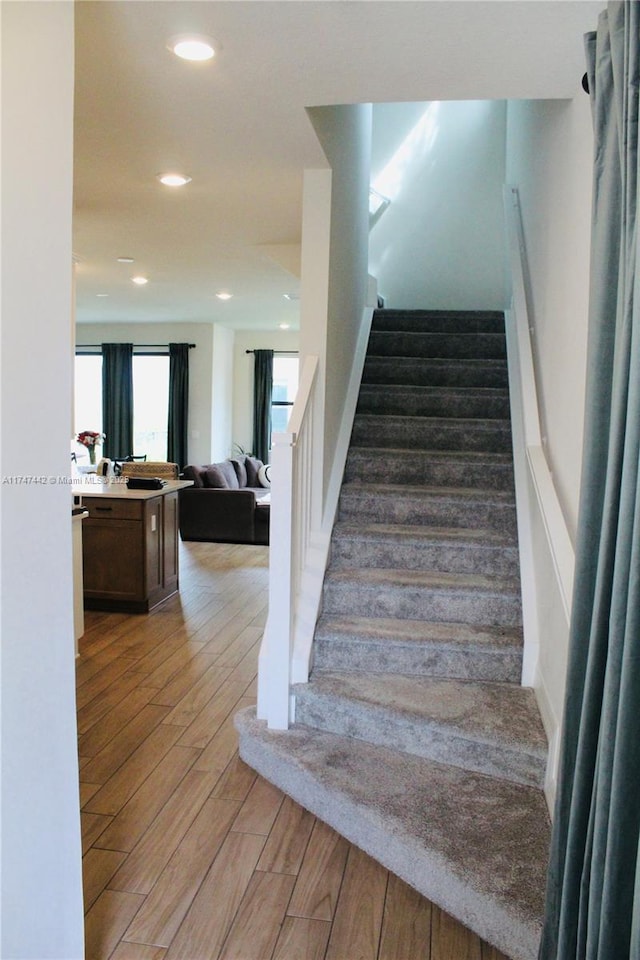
[{"x": 224, "y": 504}]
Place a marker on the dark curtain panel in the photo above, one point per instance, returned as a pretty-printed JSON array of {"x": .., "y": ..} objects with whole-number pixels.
[
  {"x": 178, "y": 403},
  {"x": 117, "y": 400},
  {"x": 262, "y": 389},
  {"x": 593, "y": 895}
]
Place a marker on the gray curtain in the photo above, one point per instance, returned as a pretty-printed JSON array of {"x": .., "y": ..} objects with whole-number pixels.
[
  {"x": 178, "y": 403},
  {"x": 117, "y": 400},
  {"x": 593, "y": 895},
  {"x": 262, "y": 390}
]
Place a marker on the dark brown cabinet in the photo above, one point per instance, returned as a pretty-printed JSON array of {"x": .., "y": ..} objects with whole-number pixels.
[{"x": 130, "y": 550}]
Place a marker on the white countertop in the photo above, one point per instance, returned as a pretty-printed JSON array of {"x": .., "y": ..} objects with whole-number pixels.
[{"x": 117, "y": 487}]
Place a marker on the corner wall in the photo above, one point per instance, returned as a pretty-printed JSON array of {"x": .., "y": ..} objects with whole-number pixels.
[
  {"x": 344, "y": 133},
  {"x": 42, "y": 911},
  {"x": 549, "y": 159}
]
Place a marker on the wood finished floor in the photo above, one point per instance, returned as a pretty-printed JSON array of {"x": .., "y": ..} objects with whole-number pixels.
[{"x": 188, "y": 855}]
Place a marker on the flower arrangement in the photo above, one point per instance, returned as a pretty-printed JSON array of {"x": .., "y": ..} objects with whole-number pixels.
[{"x": 89, "y": 439}]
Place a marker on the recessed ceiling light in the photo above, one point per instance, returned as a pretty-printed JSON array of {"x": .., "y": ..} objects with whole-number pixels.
[
  {"x": 125, "y": 260},
  {"x": 192, "y": 47},
  {"x": 173, "y": 179},
  {"x": 102, "y": 294},
  {"x": 284, "y": 326},
  {"x": 223, "y": 295},
  {"x": 139, "y": 280}
]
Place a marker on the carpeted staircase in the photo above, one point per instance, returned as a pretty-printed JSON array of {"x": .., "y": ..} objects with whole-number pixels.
[{"x": 413, "y": 737}]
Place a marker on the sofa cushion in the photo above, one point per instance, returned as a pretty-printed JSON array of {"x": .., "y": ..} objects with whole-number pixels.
[
  {"x": 241, "y": 470},
  {"x": 214, "y": 477},
  {"x": 253, "y": 467},
  {"x": 197, "y": 474},
  {"x": 221, "y": 476}
]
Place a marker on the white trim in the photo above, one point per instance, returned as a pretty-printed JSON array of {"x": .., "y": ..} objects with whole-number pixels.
[{"x": 536, "y": 497}]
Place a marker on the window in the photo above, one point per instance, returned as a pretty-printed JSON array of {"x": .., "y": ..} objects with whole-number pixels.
[
  {"x": 285, "y": 387},
  {"x": 88, "y": 397},
  {"x": 150, "y": 406},
  {"x": 150, "y": 401}
]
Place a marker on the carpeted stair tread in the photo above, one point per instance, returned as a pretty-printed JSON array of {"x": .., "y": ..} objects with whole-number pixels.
[
  {"x": 437, "y": 506},
  {"x": 435, "y": 433},
  {"x": 423, "y": 595},
  {"x": 411, "y": 400},
  {"x": 434, "y": 468},
  {"x": 395, "y": 630},
  {"x": 455, "y": 549},
  {"x": 435, "y": 372},
  {"x": 439, "y": 321},
  {"x": 400, "y": 490},
  {"x": 474, "y": 845},
  {"x": 449, "y": 345},
  {"x": 491, "y": 728},
  {"x": 418, "y": 648},
  {"x": 426, "y": 579},
  {"x": 410, "y": 532}
]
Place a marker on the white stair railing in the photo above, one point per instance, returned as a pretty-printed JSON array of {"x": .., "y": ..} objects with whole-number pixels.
[{"x": 293, "y": 491}]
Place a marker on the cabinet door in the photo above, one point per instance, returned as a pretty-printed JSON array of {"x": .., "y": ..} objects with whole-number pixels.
[
  {"x": 112, "y": 559},
  {"x": 153, "y": 545}
]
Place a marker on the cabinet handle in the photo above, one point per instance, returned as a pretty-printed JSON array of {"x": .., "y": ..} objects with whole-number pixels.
[{"x": 104, "y": 509}]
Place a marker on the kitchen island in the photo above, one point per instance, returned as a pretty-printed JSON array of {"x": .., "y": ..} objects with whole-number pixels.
[{"x": 129, "y": 544}]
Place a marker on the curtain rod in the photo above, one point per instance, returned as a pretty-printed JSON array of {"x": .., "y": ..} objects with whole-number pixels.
[
  {"x": 144, "y": 346},
  {"x": 293, "y": 353}
]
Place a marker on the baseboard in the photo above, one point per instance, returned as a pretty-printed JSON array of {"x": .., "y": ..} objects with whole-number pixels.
[{"x": 553, "y": 728}]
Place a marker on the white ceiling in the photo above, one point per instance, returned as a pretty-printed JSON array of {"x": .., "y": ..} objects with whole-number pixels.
[{"x": 237, "y": 125}]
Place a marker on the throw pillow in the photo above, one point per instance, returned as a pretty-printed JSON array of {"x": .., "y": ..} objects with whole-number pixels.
[
  {"x": 241, "y": 471},
  {"x": 197, "y": 474},
  {"x": 264, "y": 475},
  {"x": 215, "y": 477},
  {"x": 253, "y": 465},
  {"x": 232, "y": 479}
]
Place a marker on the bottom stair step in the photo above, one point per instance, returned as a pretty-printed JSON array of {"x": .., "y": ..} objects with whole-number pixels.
[
  {"x": 491, "y": 728},
  {"x": 474, "y": 845}
]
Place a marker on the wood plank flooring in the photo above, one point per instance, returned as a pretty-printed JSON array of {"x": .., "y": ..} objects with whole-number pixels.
[{"x": 188, "y": 855}]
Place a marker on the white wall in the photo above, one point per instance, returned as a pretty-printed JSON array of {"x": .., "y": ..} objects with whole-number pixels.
[
  {"x": 440, "y": 243},
  {"x": 549, "y": 159},
  {"x": 200, "y": 369},
  {"x": 242, "y": 421},
  {"x": 41, "y": 853},
  {"x": 345, "y": 135},
  {"x": 221, "y": 394}
]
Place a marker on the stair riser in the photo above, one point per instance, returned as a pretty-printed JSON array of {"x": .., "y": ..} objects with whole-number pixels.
[
  {"x": 431, "y": 404},
  {"x": 353, "y": 598},
  {"x": 446, "y": 346},
  {"x": 418, "y": 467},
  {"x": 445, "y": 557},
  {"x": 385, "y": 728},
  {"x": 425, "y": 660},
  {"x": 442, "y": 321},
  {"x": 437, "y": 373},
  {"x": 429, "y": 511},
  {"x": 488, "y": 436}
]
